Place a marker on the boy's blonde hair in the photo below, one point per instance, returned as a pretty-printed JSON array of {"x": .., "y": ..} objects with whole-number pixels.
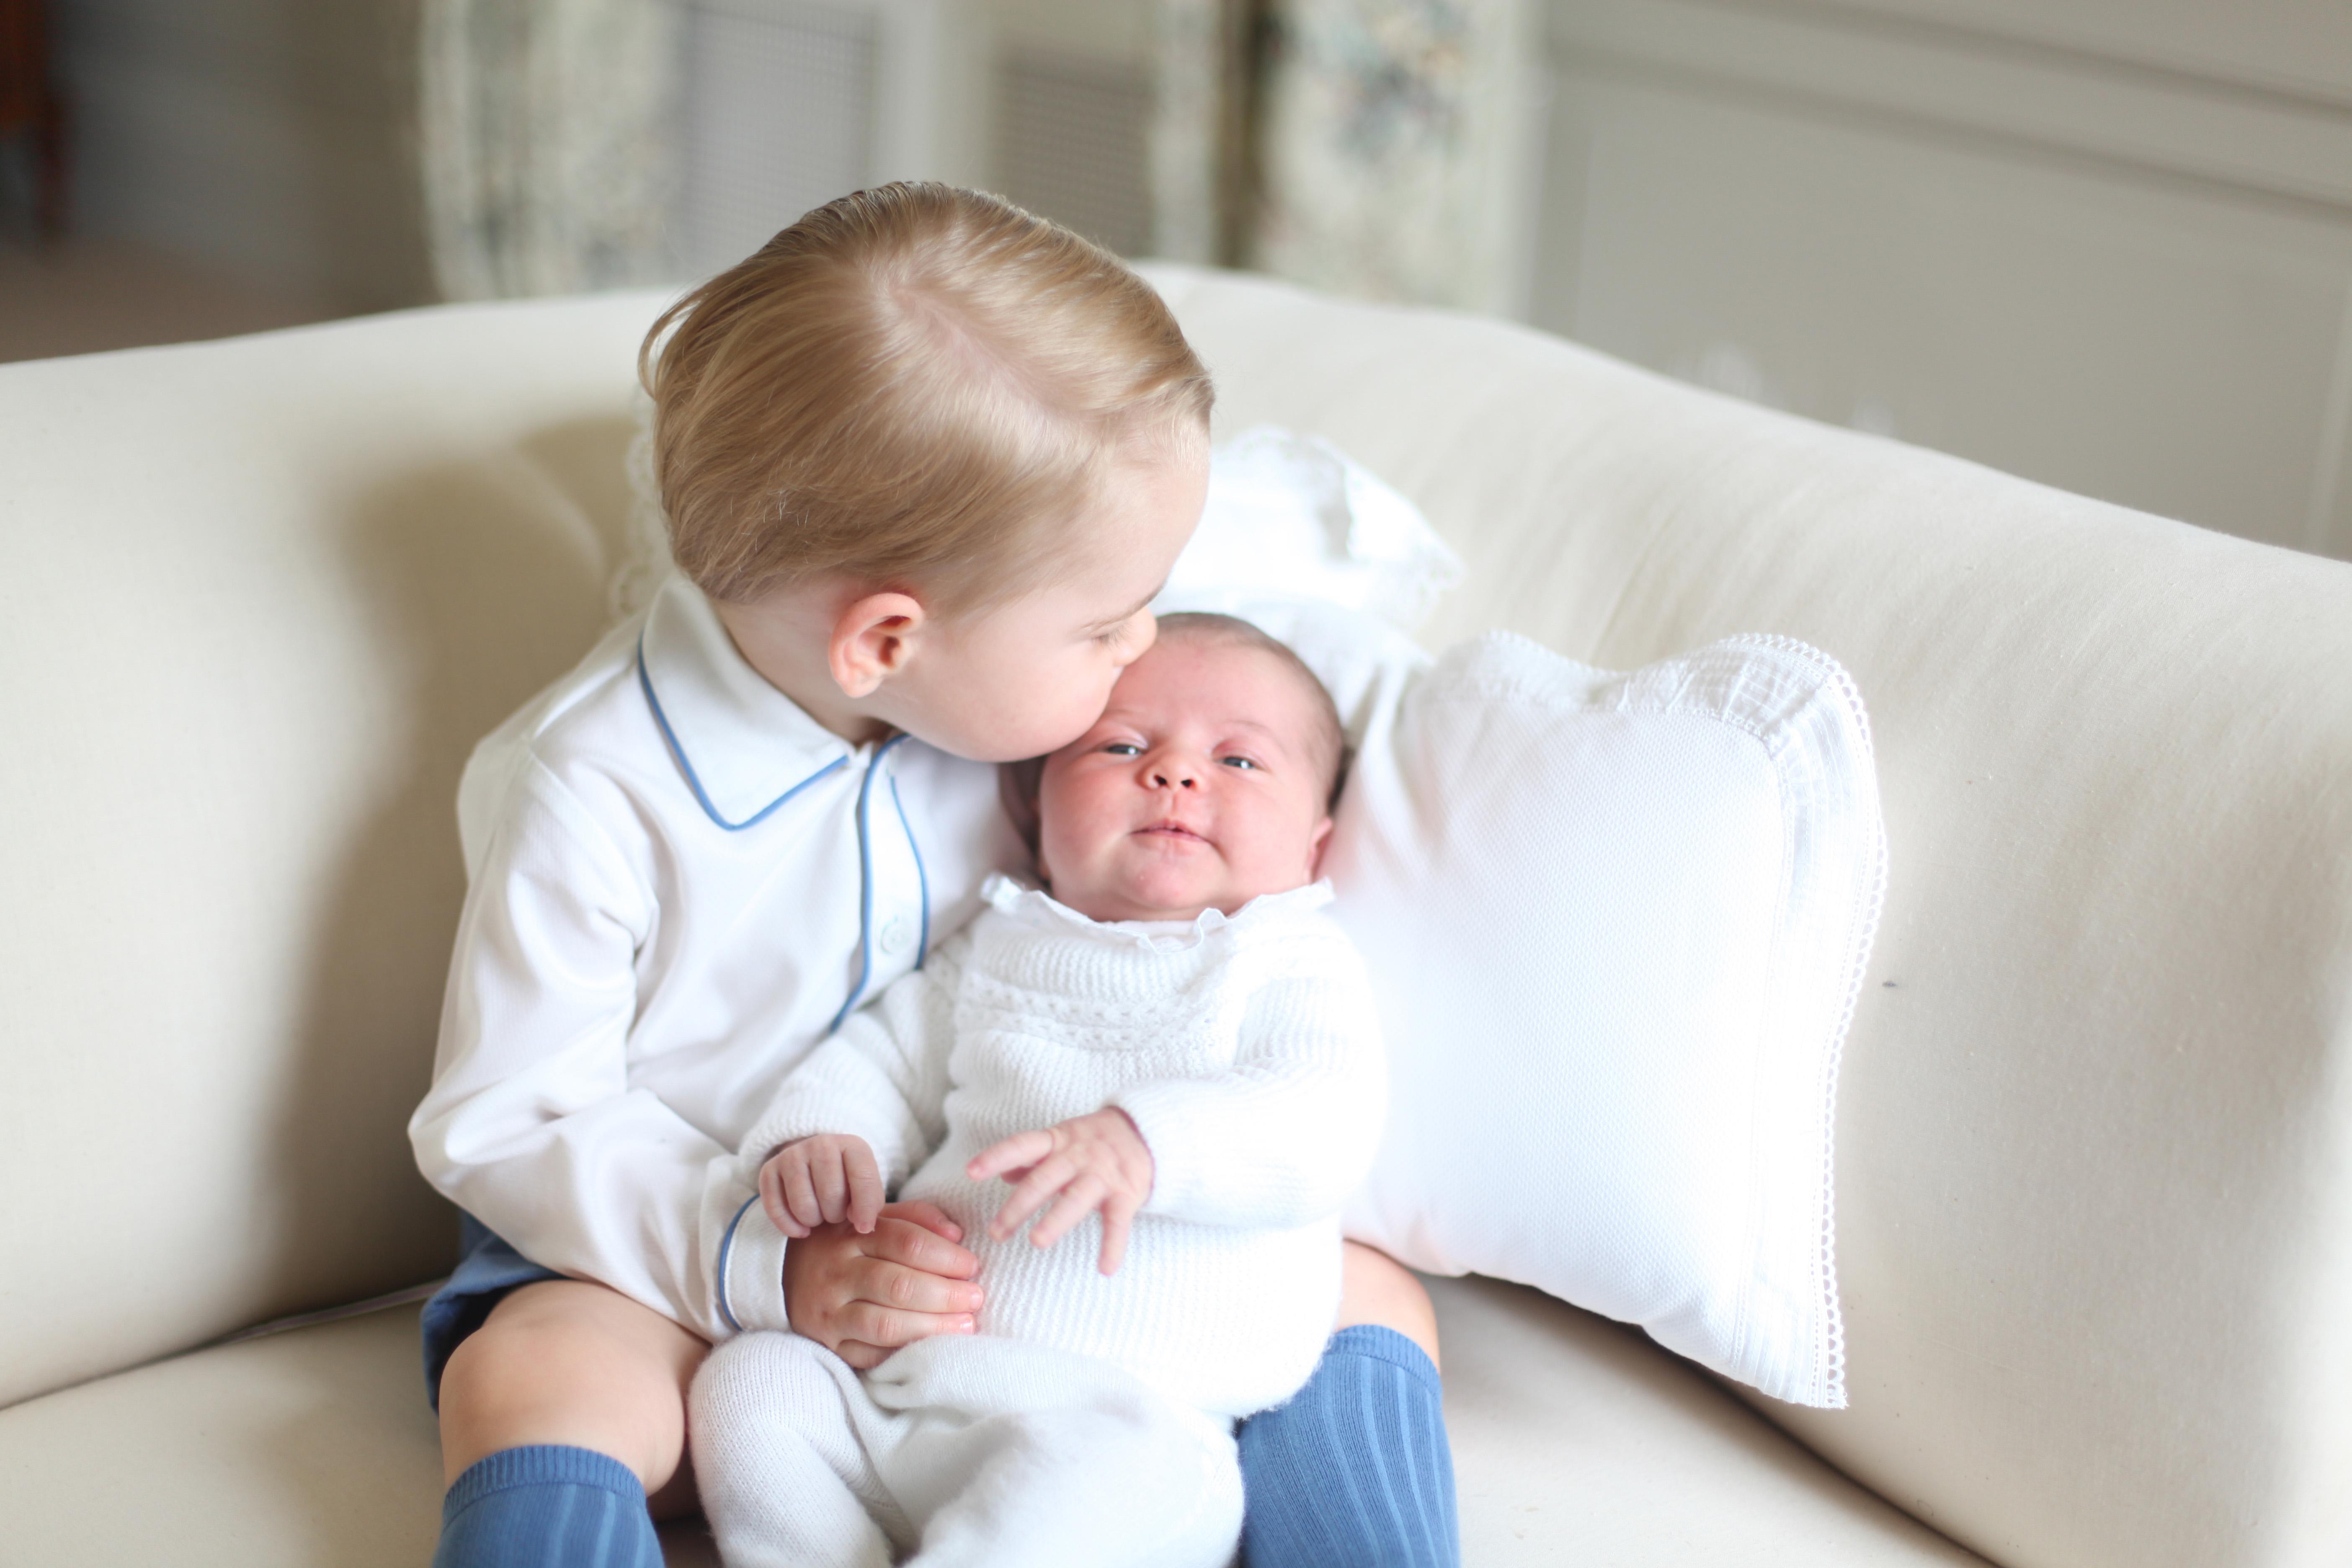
[{"x": 914, "y": 385}]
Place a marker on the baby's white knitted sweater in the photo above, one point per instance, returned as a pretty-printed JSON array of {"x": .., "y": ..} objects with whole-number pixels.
[{"x": 1248, "y": 1053}]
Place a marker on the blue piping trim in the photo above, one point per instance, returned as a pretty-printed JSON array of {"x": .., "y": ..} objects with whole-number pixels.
[
  {"x": 726, "y": 1247},
  {"x": 693, "y": 782},
  {"x": 865, "y": 882},
  {"x": 923, "y": 877}
]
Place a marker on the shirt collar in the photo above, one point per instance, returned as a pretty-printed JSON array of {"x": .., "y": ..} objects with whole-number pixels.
[
  {"x": 743, "y": 745},
  {"x": 1039, "y": 909}
]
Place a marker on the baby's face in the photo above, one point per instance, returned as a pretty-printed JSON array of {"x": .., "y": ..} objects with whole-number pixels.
[{"x": 1198, "y": 788}]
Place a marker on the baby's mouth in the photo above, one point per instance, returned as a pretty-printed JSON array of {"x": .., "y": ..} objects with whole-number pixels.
[{"x": 1170, "y": 828}]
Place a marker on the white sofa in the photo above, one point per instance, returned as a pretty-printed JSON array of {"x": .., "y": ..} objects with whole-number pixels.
[{"x": 257, "y": 598}]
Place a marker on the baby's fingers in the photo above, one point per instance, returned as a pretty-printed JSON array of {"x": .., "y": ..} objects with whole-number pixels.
[
  {"x": 800, "y": 1193},
  {"x": 828, "y": 1170},
  {"x": 1009, "y": 1154},
  {"x": 1080, "y": 1199},
  {"x": 1042, "y": 1184},
  {"x": 1118, "y": 1220},
  {"x": 866, "y": 1192},
  {"x": 773, "y": 1199}
]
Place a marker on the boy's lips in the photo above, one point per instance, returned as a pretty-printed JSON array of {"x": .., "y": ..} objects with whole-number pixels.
[{"x": 1171, "y": 829}]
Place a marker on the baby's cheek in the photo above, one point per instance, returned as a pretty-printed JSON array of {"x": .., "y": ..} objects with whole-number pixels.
[{"x": 1271, "y": 855}]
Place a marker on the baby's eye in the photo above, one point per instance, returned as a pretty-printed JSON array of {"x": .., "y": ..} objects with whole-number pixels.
[
  {"x": 1124, "y": 749},
  {"x": 1239, "y": 763}
]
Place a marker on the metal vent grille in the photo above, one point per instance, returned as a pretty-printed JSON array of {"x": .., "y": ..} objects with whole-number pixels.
[
  {"x": 779, "y": 118},
  {"x": 1070, "y": 144}
]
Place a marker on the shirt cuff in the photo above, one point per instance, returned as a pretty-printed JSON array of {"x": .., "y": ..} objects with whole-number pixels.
[{"x": 752, "y": 1271}]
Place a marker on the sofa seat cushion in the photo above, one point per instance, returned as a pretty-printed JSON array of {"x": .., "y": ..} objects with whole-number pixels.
[
  {"x": 310, "y": 1447},
  {"x": 1578, "y": 1440},
  {"x": 1575, "y": 1440}
]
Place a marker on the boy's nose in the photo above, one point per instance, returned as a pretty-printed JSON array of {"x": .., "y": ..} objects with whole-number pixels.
[
  {"x": 1164, "y": 775},
  {"x": 1138, "y": 641}
]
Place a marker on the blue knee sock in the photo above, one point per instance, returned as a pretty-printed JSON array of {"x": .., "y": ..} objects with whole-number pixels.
[
  {"x": 547, "y": 1507},
  {"x": 1355, "y": 1471}
]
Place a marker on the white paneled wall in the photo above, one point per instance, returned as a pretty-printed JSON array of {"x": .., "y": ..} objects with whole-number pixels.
[
  {"x": 779, "y": 117},
  {"x": 1071, "y": 142},
  {"x": 788, "y": 103},
  {"x": 2271, "y": 46},
  {"x": 2104, "y": 244}
]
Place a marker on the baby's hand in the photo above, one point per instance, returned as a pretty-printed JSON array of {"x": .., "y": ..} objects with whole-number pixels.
[
  {"x": 1096, "y": 1162},
  {"x": 822, "y": 1180}
]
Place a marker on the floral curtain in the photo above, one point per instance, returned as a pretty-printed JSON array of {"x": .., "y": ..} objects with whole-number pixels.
[
  {"x": 546, "y": 137},
  {"x": 1395, "y": 145}
]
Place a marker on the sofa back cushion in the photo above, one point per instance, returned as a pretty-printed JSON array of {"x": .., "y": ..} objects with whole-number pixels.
[{"x": 258, "y": 600}]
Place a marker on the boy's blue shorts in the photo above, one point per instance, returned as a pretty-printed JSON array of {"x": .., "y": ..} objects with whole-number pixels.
[{"x": 487, "y": 1271}]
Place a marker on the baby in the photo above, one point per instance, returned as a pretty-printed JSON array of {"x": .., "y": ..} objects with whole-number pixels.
[{"x": 1170, "y": 1054}]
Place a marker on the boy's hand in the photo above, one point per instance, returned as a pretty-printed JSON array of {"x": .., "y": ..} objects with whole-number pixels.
[
  {"x": 1096, "y": 1162},
  {"x": 863, "y": 1295},
  {"x": 822, "y": 1180}
]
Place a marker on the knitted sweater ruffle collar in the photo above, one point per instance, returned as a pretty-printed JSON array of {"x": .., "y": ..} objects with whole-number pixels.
[{"x": 1036, "y": 908}]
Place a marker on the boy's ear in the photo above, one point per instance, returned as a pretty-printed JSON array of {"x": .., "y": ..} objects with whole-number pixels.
[
  {"x": 873, "y": 638},
  {"x": 1315, "y": 848}
]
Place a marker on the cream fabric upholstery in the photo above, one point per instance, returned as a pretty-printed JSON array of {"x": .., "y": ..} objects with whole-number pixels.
[
  {"x": 313, "y": 1447},
  {"x": 1576, "y": 1442},
  {"x": 303, "y": 1448},
  {"x": 257, "y": 598},
  {"x": 257, "y": 601}
]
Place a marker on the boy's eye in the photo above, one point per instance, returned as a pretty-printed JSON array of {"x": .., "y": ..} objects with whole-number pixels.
[
  {"x": 1238, "y": 763},
  {"x": 1124, "y": 749}
]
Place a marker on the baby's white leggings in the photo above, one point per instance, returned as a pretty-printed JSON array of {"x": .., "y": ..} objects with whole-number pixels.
[{"x": 980, "y": 1450}]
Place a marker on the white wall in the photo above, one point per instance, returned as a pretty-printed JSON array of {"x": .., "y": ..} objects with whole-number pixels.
[
  {"x": 2106, "y": 244},
  {"x": 1102, "y": 29},
  {"x": 1070, "y": 113},
  {"x": 268, "y": 139},
  {"x": 790, "y": 102}
]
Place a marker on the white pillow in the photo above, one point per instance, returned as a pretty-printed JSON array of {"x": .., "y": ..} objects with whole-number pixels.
[
  {"x": 1291, "y": 515},
  {"x": 1617, "y": 924}
]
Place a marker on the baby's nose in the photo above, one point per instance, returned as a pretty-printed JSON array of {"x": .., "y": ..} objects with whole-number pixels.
[{"x": 1164, "y": 776}]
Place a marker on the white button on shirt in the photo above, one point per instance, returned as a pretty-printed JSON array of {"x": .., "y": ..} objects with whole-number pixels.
[{"x": 680, "y": 883}]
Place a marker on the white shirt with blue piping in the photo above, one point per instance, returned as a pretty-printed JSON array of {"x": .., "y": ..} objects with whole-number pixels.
[{"x": 680, "y": 884}]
